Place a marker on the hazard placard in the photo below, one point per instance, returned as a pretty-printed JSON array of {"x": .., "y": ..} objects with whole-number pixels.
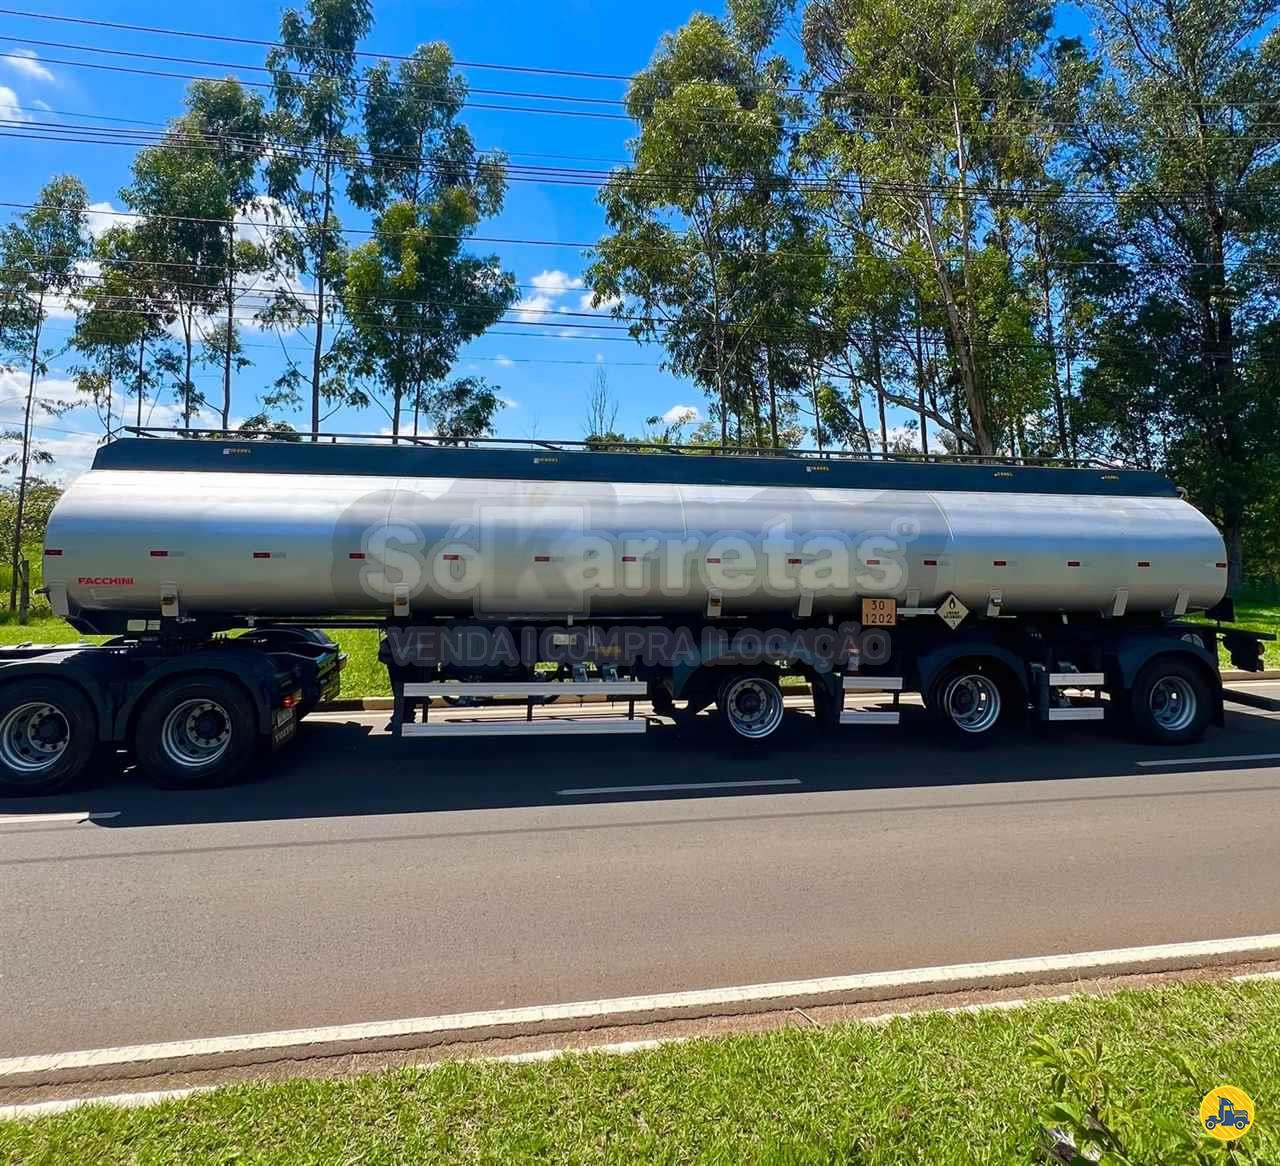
[{"x": 952, "y": 612}]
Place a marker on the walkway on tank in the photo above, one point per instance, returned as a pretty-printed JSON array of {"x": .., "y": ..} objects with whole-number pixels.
[{"x": 367, "y": 877}]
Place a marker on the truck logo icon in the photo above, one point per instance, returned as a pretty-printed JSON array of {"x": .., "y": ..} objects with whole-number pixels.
[{"x": 1226, "y": 1112}]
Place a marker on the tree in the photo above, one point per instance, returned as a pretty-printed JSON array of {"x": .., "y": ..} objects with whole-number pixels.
[
  {"x": 314, "y": 83},
  {"x": 1184, "y": 135},
  {"x": 928, "y": 149},
  {"x": 693, "y": 218},
  {"x": 230, "y": 122},
  {"x": 602, "y": 412},
  {"x": 413, "y": 295},
  {"x": 45, "y": 247}
]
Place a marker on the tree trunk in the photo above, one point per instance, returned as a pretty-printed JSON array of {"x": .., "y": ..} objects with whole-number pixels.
[
  {"x": 20, "y": 510},
  {"x": 142, "y": 356},
  {"x": 773, "y": 397},
  {"x": 322, "y": 254},
  {"x": 226, "y": 355}
]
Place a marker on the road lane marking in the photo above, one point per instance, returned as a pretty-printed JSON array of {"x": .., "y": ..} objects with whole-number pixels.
[
  {"x": 70, "y": 816},
  {"x": 310, "y": 1042},
  {"x": 646, "y": 789},
  {"x": 1210, "y": 760}
]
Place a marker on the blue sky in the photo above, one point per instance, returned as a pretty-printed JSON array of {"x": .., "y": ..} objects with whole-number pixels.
[
  {"x": 546, "y": 377},
  {"x": 549, "y": 399}
]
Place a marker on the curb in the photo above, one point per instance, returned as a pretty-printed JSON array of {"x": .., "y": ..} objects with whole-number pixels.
[{"x": 424, "y": 1032}]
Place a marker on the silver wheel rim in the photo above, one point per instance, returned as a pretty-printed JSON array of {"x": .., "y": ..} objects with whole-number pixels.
[
  {"x": 753, "y": 706},
  {"x": 196, "y": 733},
  {"x": 33, "y": 738},
  {"x": 1173, "y": 703},
  {"x": 972, "y": 703}
]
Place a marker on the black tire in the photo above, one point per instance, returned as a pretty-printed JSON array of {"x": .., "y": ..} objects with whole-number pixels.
[
  {"x": 1171, "y": 702},
  {"x": 827, "y": 705},
  {"x": 970, "y": 703},
  {"x": 48, "y": 736},
  {"x": 750, "y": 706},
  {"x": 196, "y": 731}
]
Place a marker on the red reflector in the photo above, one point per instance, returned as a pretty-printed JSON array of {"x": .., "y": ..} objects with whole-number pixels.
[
  {"x": 713, "y": 560},
  {"x": 262, "y": 554},
  {"x": 1144, "y": 563},
  {"x": 628, "y": 558},
  {"x": 1073, "y": 562},
  {"x": 930, "y": 562},
  {"x": 999, "y": 562},
  {"x": 52, "y": 552},
  {"x": 1221, "y": 566},
  {"x": 542, "y": 558},
  {"x": 451, "y": 558},
  {"x": 356, "y": 555},
  {"x": 873, "y": 562},
  {"x": 794, "y": 562},
  {"x": 159, "y": 554},
  {"x": 292, "y": 700}
]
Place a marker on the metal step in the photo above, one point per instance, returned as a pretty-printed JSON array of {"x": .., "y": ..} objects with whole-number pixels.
[
  {"x": 546, "y": 727},
  {"x": 873, "y": 684},
  {"x": 869, "y": 717},
  {"x": 1077, "y": 680},
  {"x": 527, "y": 688},
  {"x": 1085, "y": 713}
]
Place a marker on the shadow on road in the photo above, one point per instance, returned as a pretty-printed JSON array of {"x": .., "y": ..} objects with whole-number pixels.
[{"x": 342, "y": 768}]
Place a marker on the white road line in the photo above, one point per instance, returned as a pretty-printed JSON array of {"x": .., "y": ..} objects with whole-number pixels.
[
  {"x": 710, "y": 1001},
  {"x": 1210, "y": 760},
  {"x": 70, "y": 816},
  {"x": 646, "y": 789}
]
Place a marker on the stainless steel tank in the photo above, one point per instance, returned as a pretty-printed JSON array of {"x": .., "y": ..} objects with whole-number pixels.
[{"x": 239, "y": 530}]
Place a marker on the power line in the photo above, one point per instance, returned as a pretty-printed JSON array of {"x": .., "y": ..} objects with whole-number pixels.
[{"x": 535, "y": 70}]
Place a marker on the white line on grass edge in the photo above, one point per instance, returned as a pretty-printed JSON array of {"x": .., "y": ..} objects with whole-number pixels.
[{"x": 869, "y": 985}]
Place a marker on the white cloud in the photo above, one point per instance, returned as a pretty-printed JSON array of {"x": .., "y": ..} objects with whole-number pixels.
[
  {"x": 10, "y": 107},
  {"x": 556, "y": 283},
  {"x": 532, "y": 307},
  {"x": 503, "y": 361},
  {"x": 589, "y": 303},
  {"x": 101, "y": 217},
  {"x": 509, "y": 402},
  {"x": 27, "y": 64},
  {"x": 681, "y": 414}
]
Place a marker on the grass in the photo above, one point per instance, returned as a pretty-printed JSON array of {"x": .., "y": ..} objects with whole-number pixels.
[
  {"x": 364, "y": 676},
  {"x": 947, "y": 1090}
]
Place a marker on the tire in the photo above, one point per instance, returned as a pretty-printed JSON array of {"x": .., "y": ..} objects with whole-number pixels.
[
  {"x": 196, "y": 731},
  {"x": 969, "y": 703},
  {"x": 48, "y": 736},
  {"x": 750, "y": 706},
  {"x": 827, "y": 706},
  {"x": 1170, "y": 702}
]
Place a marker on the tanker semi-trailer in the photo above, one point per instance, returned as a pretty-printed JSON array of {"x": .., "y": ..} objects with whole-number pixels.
[{"x": 995, "y": 590}]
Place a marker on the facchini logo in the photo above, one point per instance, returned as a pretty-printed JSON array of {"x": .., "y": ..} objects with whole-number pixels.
[{"x": 105, "y": 580}]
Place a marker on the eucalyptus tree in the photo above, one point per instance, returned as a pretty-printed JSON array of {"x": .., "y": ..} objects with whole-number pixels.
[
  {"x": 927, "y": 130},
  {"x": 691, "y": 257},
  {"x": 1183, "y": 134},
  {"x": 42, "y": 255},
  {"x": 315, "y": 85},
  {"x": 229, "y": 124},
  {"x": 414, "y": 295}
]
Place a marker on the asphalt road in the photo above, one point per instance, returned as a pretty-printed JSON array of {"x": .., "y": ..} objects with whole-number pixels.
[{"x": 368, "y": 878}]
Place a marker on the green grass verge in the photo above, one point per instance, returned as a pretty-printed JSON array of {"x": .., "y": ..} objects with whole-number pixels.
[
  {"x": 364, "y": 676},
  {"x": 947, "y": 1090}
]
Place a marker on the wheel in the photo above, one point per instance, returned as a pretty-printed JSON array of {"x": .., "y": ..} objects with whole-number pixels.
[
  {"x": 48, "y": 735},
  {"x": 968, "y": 703},
  {"x": 827, "y": 704},
  {"x": 1170, "y": 702},
  {"x": 196, "y": 731},
  {"x": 750, "y": 705},
  {"x": 466, "y": 702}
]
